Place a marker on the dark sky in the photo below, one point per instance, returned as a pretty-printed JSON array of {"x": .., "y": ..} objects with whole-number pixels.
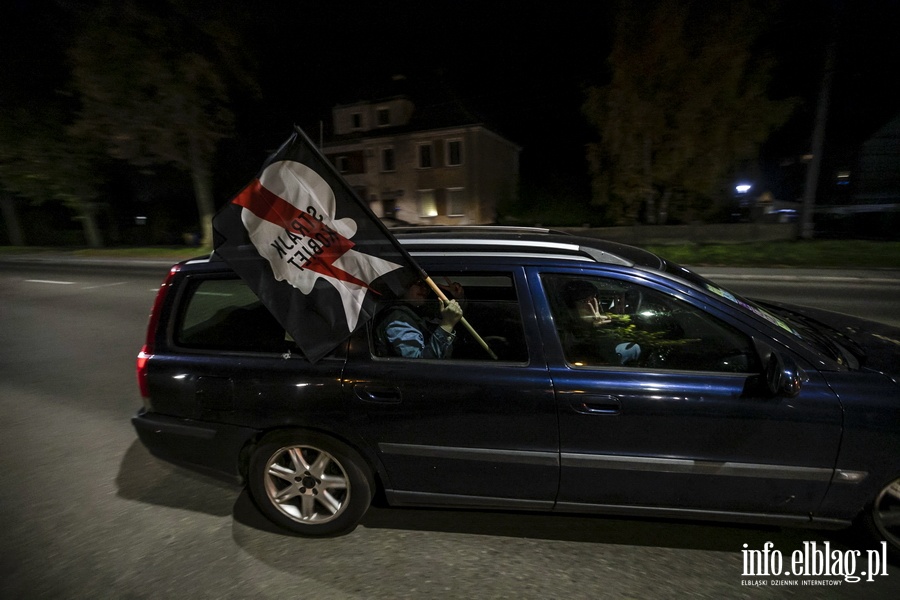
[{"x": 523, "y": 64}]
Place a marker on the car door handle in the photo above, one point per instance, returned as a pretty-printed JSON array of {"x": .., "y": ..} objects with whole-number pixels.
[
  {"x": 381, "y": 394},
  {"x": 596, "y": 405}
]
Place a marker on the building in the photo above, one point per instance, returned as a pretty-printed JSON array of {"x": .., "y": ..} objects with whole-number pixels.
[
  {"x": 877, "y": 176},
  {"x": 435, "y": 164},
  {"x": 864, "y": 202}
]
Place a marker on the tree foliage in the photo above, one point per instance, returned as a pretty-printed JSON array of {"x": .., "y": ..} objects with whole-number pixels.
[
  {"x": 685, "y": 111},
  {"x": 153, "y": 79},
  {"x": 41, "y": 161}
]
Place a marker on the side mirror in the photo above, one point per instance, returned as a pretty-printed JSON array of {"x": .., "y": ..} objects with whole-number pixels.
[{"x": 781, "y": 375}]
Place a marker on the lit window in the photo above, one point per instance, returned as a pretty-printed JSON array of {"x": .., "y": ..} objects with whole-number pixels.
[
  {"x": 456, "y": 202},
  {"x": 427, "y": 203}
]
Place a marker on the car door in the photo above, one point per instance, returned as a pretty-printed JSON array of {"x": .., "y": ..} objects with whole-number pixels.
[
  {"x": 469, "y": 429},
  {"x": 661, "y": 407}
]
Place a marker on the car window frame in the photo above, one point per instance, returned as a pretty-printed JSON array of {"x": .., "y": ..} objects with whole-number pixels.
[
  {"x": 181, "y": 302},
  {"x": 523, "y": 299},
  {"x": 553, "y": 348}
]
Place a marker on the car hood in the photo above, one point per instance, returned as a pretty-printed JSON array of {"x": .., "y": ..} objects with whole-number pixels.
[{"x": 875, "y": 344}]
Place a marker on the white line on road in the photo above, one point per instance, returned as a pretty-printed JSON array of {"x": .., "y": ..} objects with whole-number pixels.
[
  {"x": 50, "y": 281},
  {"x": 105, "y": 285}
]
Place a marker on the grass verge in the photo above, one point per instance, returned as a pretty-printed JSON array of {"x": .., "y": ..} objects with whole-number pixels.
[{"x": 811, "y": 254}]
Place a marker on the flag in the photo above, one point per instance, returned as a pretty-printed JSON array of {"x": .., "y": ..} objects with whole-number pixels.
[{"x": 315, "y": 254}]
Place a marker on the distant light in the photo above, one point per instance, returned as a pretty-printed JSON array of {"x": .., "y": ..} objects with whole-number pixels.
[{"x": 742, "y": 188}]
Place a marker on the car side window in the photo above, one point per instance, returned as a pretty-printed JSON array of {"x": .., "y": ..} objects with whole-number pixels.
[
  {"x": 225, "y": 314},
  {"x": 489, "y": 303},
  {"x": 606, "y": 322}
]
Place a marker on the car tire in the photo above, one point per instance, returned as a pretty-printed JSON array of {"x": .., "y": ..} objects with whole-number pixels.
[
  {"x": 310, "y": 483},
  {"x": 880, "y": 521}
]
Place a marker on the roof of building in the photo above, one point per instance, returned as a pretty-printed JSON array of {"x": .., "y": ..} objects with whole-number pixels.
[{"x": 436, "y": 106}]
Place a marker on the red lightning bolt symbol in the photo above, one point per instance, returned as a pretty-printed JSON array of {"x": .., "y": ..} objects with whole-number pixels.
[{"x": 274, "y": 209}]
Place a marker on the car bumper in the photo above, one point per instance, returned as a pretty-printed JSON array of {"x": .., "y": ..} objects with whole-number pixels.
[{"x": 198, "y": 444}]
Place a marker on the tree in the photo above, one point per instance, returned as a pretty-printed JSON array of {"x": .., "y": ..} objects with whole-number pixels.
[
  {"x": 685, "y": 110},
  {"x": 153, "y": 80},
  {"x": 40, "y": 161}
]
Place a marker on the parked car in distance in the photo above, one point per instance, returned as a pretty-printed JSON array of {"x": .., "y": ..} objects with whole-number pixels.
[{"x": 622, "y": 384}]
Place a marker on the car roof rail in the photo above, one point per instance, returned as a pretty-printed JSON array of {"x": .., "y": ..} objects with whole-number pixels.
[
  {"x": 510, "y": 246},
  {"x": 474, "y": 229}
]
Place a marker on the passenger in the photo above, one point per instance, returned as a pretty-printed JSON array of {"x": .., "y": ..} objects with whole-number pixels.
[
  {"x": 586, "y": 339},
  {"x": 404, "y": 329}
]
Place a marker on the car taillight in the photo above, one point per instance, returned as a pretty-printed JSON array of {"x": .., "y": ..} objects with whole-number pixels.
[
  {"x": 142, "y": 358},
  {"x": 146, "y": 353}
]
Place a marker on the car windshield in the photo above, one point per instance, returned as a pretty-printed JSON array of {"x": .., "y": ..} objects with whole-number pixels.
[
  {"x": 823, "y": 338},
  {"x": 703, "y": 283}
]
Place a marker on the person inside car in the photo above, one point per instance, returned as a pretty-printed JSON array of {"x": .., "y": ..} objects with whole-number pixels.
[
  {"x": 405, "y": 330},
  {"x": 588, "y": 335}
]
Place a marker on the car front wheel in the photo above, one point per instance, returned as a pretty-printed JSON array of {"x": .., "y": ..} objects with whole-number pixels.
[
  {"x": 883, "y": 518},
  {"x": 310, "y": 483}
]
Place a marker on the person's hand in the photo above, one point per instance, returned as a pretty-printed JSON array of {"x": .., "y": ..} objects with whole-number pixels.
[
  {"x": 594, "y": 316},
  {"x": 453, "y": 288},
  {"x": 451, "y": 313}
]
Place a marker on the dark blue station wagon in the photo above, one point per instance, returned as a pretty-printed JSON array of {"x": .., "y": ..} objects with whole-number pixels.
[{"x": 619, "y": 384}]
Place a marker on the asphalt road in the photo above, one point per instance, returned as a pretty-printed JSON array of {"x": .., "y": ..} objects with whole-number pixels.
[
  {"x": 869, "y": 294},
  {"x": 86, "y": 512}
]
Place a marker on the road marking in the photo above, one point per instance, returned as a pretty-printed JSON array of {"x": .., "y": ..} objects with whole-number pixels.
[
  {"x": 50, "y": 281},
  {"x": 104, "y": 285}
]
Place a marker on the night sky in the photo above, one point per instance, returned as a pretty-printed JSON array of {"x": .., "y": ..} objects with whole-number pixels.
[{"x": 522, "y": 65}]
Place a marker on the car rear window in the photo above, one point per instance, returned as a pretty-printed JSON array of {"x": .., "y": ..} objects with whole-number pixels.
[{"x": 225, "y": 314}]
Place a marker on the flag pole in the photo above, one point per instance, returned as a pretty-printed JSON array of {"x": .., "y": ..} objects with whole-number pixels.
[{"x": 440, "y": 294}]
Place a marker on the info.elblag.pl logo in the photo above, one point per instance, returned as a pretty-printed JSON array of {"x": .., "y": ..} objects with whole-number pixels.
[{"x": 821, "y": 563}]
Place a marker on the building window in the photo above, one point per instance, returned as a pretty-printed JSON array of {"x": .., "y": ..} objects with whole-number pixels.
[
  {"x": 356, "y": 120},
  {"x": 384, "y": 117},
  {"x": 456, "y": 202},
  {"x": 342, "y": 164},
  {"x": 427, "y": 203},
  {"x": 425, "y": 156},
  {"x": 454, "y": 152},
  {"x": 387, "y": 159},
  {"x": 389, "y": 207}
]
